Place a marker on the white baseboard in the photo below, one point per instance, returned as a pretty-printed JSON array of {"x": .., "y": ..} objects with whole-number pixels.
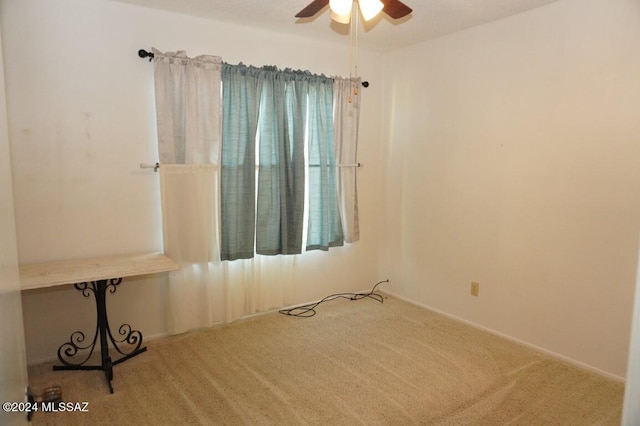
[{"x": 552, "y": 354}]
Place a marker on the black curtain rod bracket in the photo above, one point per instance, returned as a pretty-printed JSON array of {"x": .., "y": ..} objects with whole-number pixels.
[{"x": 145, "y": 54}]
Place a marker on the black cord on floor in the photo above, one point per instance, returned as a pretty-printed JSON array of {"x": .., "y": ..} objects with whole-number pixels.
[{"x": 306, "y": 311}]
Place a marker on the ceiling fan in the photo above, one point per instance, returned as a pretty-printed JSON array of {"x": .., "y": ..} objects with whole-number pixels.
[{"x": 341, "y": 9}]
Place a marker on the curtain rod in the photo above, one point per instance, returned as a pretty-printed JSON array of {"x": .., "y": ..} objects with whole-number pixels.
[
  {"x": 156, "y": 166},
  {"x": 145, "y": 54}
]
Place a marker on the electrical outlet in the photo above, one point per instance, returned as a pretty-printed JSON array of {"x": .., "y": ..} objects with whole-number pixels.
[{"x": 475, "y": 288}]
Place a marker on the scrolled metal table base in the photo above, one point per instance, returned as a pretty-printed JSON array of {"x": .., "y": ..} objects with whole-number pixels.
[{"x": 103, "y": 336}]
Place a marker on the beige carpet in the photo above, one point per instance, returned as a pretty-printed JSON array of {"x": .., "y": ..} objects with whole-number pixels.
[{"x": 355, "y": 362}]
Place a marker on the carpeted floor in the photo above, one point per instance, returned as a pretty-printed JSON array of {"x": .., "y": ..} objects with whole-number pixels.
[{"x": 355, "y": 362}]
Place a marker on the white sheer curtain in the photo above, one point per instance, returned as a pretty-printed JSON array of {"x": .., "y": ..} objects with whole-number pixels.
[
  {"x": 346, "y": 115},
  {"x": 205, "y": 291}
]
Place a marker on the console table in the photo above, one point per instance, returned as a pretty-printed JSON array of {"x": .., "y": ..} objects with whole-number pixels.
[{"x": 96, "y": 276}]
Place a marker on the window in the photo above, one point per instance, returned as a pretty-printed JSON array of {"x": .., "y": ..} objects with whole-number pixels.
[{"x": 279, "y": 112}]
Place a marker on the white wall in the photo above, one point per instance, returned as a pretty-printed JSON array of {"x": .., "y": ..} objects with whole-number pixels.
[
  {"x": 81, "y": 119},
  {"x": 13, "y": 367},
  {"x": 512, "y": 160}
]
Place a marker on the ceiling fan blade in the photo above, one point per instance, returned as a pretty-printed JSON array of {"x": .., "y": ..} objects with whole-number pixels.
[
  {"x": 312, "y": 8},
  {"x": 396, "y": 9}
]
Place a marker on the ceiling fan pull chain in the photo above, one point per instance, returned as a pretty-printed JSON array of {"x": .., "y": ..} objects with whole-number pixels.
[
  {"x": 353, "y": 50},
  {"x": 351, "y": 44},
  {"x": 355, "y": 85}
]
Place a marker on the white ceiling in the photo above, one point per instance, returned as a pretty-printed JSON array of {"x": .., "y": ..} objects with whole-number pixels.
[{"x": 430, "y": 18}]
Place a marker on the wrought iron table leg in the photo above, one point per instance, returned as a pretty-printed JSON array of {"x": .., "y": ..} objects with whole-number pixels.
[{"x": 70, "y": 349}]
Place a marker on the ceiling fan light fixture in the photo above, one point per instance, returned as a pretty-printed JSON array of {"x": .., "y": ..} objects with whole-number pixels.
[
  {"x": 341, "y": 7},
  {"x": 370, "y": 8},
  {"x": 342, "y": 19}
]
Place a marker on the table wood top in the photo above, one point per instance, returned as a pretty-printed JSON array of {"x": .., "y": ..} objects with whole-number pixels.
[{"x": 50, "y": 274}]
